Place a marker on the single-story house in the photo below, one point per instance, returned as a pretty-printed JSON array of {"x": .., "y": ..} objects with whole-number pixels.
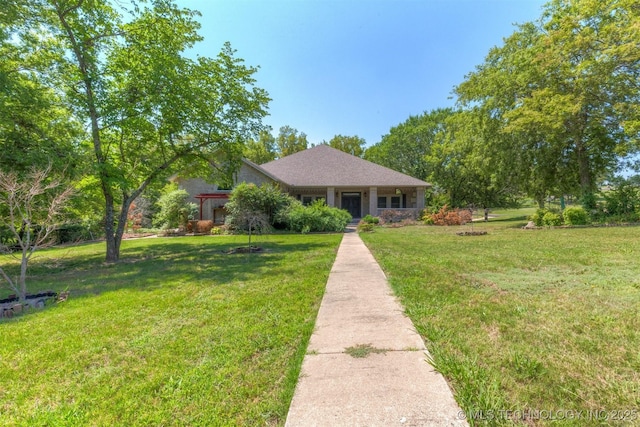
[{"x": 321, "y": 172}]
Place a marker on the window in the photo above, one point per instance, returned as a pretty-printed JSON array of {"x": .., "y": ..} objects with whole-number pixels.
[
  {"x": 395, "y": 202},
  {"x": 382, "y": 202}
]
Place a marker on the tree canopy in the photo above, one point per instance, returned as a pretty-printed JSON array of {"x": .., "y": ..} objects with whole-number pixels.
[
  {"x": 405, "y": 146},
  {"x": 550, "y": 112},
  {"x": 149, "y": 110},
  {"x": 261, "y": 150},
  {"x": 290, "y": 141},
  {"x": 565, "y": 92},
  {"x": 353, "y": 145}
]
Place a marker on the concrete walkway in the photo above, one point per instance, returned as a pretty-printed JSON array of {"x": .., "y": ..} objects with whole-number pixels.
[{"x": 391, "y": 386}]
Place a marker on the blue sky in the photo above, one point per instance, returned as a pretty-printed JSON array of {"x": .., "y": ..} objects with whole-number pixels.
[{"x": 357, "y": 67}]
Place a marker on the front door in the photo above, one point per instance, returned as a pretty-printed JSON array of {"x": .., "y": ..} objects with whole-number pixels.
[{"x": 352, "y": 203}]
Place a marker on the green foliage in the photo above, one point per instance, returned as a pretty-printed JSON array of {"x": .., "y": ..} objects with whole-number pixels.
[
  {"x": 150, "y": 110},
  {"x": 537, "y": 217},
  {"x": 175, "y": 210},
  {"x": 36, "y": 127},
  {"x": 249, "y": 200},
  {"x": 370, "y": 219},
  {"x": 546, "y": 217},
  {"x": 551, "y": 219},
  {"x": 575, "y": 215},
  {"x": 318, "y": 217},
  {"x": 405, "y": 146},
  {"x": 262, "y": 150},
  {"x": 366, "y": 227},
  {"x": 349, "y": 144},
  {"x": 289, "y": 141},
  {"x": 436, "y": 198},
  {"x": 68, "y": 233},
  {"x": 622, "y": 201},
  {"x": 561, "y": 93}
]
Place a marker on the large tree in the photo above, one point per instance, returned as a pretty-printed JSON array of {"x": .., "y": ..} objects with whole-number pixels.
[
  {"x": 290, "y": 141},
  {"x": 36, "y": 128},
  {"x": 470, "y": 170},
  {"x": 566, "y": 93},
  {"x": 150, "y": 110},
  {"x": 353, "y": 145},
  {"x": 261, "y": 150},
  {"x": 405, "y": 146}
]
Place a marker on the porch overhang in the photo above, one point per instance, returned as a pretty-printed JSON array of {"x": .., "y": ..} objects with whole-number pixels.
[{"x": 207, "y": 196}]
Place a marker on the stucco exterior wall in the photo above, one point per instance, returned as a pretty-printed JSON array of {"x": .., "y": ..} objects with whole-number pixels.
[
  {"x": 211, "y": 209},
  {"x": 249, "y": 174}
]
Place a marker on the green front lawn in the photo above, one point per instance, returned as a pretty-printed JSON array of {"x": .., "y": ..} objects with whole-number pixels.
[
  {"x": 177, "y": 333},
  {"x": 525, "y": 320}
]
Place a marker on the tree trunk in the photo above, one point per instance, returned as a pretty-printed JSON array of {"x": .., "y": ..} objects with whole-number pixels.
[
  {"x": 113, "y": 247},
  {"x": 22, "y": 280},
  {"x": 25, "y": 244},
  {"x": 584, "y": 170},
  {"x": 115, "y": 229}
]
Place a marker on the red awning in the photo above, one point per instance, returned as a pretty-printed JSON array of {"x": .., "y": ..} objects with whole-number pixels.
[{"x": 206, "y": 196}]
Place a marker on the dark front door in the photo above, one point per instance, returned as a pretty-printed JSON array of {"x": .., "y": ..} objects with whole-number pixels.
[{"x": 352, "y": 203}]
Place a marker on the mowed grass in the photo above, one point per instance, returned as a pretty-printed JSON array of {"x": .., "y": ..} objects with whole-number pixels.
[
  {"x": 539, "y": 322},
  {"x": 177, "y": 333}
]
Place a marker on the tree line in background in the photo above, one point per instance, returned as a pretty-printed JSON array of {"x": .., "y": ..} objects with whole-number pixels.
[
  {"x": 554, "y": 111},
  {"x": 289, "y": 141}
]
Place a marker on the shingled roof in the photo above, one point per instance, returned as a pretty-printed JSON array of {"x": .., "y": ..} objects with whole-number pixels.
[{"x": 324, "y": 166}]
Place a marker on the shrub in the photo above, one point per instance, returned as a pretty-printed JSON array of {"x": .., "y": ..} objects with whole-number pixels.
[
  {"x": 203, "y": 226},
  {"x": 365, "y": 227},
  {"x": 575, "y": 215},
  {"x": 369, "y": 219},
  {"x": 551, "y": 219},
  {"x": 215, "y": 231},
  {"x": 317, "y": 217},
  {"x": 266, "y": 199},
  {"x": 623, "y": 201},
  {"x": 70, "y": 233},
  {"x": 174, "y": 210},
  {"x": 537, "y": 217},
  {"x": 446, "y": 216}
]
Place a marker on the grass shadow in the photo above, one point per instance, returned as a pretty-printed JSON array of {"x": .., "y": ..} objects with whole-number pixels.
[{"x": 147, "y": 264}]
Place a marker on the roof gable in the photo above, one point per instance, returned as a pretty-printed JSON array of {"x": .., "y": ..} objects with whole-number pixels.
[{"x": 324, "y": 166}]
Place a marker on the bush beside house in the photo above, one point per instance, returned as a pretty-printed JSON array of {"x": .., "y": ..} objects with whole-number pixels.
[{"x": 281, "y": 211}]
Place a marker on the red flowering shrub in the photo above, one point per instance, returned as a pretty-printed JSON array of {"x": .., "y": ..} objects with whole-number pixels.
[
  {"x": 447, "y": 216},
  {"x": 204, "y": 226}
]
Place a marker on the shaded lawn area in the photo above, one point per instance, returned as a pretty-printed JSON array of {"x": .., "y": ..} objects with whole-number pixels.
[
  {"x": 525, "y": 320},
  {"x": 177, "y": 333}
]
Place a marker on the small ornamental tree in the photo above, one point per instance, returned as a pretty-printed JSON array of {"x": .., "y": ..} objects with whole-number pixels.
[
  {"x": 31, "y": 208},
  {"x": 247, "y": 199}
]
